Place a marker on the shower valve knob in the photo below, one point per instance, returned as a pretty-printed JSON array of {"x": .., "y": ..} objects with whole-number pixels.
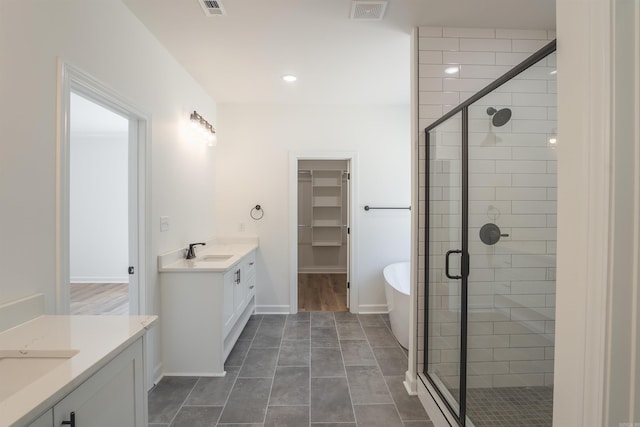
[{"x": 490, "y": 234}]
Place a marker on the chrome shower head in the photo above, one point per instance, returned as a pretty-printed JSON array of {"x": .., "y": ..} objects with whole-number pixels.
[{"x": 500, "y": 117}]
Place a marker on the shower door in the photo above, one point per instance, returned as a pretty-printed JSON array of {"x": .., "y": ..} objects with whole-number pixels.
[
  {"x": 490, "y": 237},
  {"x": 446, "y": 263}
]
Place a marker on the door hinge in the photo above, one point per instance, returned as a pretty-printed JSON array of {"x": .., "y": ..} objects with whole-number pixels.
[
  {"x": 348, "y": 230},
  {"x": 348, "y": 285},
  {"x": 348, "y": 175},
  {"x": 131, "y": 270}
]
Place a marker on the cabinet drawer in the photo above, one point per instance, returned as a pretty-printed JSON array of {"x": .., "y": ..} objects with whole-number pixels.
[
  {"x": 251, "y": 287},
  {"x": 250, "y": 265}
]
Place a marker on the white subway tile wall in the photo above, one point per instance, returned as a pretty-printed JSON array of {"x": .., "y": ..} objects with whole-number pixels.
[{"x": 512, "y": 184}]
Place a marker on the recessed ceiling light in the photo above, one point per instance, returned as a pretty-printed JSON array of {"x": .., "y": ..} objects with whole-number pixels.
[
  {"x": 451, "y": 70},
  {"x": 289, "y": 78}
]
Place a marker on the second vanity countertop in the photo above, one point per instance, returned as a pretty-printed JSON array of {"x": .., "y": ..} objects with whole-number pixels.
[
  {"x": 218, "y": 255},
  {"x": 28, "y": 388}
]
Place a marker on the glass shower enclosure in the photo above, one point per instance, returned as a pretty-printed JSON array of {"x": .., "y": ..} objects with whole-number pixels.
[{"x": 490, "y": 236}]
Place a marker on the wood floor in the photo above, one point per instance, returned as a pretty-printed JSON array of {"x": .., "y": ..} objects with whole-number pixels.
[
  {"x": 99, "y": 298},
  {"x": 322, "y": 292}
]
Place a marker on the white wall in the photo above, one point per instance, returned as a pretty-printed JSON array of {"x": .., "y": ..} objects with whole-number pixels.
[
  {"x": 99, "y": 240},
  {"x": 99, "y": 206},
  {"x": 107, "y": 41},
  {"x": 597, "y": 377},
  {"x": 253, "y": 168}
]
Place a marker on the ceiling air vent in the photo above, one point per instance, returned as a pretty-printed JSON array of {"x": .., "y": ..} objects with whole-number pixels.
[
  {"x": 212, "y": 7},
  {"x": 363, "y": 10}
]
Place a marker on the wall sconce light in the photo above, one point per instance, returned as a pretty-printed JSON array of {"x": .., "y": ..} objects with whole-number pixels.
[{"x": 203, "y": 129}]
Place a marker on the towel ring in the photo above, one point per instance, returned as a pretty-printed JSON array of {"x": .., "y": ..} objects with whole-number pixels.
[{"x": 257, "y": 212}]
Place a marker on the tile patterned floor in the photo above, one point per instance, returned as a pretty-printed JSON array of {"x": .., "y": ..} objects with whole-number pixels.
[
  {"x": 510, "y": 406},
  {"x": 318, "y": 369}
]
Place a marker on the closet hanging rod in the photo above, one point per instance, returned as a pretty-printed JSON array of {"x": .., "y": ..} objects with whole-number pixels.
[{"x": 368, "y": 208}]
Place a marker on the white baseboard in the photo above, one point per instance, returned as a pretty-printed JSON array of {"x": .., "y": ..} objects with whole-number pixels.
[
  {"x": 410, "y": 384},
  {"x": 99, "y": 279},
  {"x": 272, "y": 309},
  {"x": 373, "y": 309},
  {"x": 157, "y": 376},
  {"x": 285, "y": 309}
]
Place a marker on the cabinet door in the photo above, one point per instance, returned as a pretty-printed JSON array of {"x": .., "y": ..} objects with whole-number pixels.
[
  {"x": 113, "y": 396},
  {"x": 228, "y": 306},
  {"x": 239, "y": 291}
]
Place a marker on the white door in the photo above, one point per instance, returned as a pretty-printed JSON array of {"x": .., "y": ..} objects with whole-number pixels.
[
  {"x": 134, "y": 253},
  {"x": 348, "y": 226}
]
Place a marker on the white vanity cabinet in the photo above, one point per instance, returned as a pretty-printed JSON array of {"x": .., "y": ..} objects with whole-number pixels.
[
  {"x": 228, "y": 306},
  {"x": 239, "y": 285},
  {"x": 113, "y": 396},
  {"x": 203, "y": 313}
]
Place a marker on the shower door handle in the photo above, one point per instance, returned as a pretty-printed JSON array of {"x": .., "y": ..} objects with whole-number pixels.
[{"x": 446, "y": 264}]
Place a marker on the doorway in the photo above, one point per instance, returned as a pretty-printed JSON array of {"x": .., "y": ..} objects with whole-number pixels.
[
  {"x": 323, "y": 206},
  {"x": 102, "y": 180},
  {"x": 99, "y": 210}
]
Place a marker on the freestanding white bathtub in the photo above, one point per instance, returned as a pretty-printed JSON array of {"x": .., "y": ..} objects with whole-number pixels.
[{"x": 397, "y": 287}]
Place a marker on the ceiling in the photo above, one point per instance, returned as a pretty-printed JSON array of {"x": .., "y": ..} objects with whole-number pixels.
[{"x": 240, "y": 58}]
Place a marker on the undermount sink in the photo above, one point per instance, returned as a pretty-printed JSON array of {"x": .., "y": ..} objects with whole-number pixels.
[
  {"x": 215, "y": 258},
  {"x": 19, "y": 368}
]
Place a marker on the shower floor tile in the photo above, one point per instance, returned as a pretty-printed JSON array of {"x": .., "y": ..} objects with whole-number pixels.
[{"x": 510, "y": 406}]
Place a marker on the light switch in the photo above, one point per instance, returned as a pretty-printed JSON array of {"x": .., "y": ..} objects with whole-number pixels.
[{"x": 164, "y": 223}]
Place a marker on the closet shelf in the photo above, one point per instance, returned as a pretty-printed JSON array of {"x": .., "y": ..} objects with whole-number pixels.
[
  {"x": 326, "y": 202},
  {"x": 326, "y": 223},
  {"x": 326, "y": 244}
]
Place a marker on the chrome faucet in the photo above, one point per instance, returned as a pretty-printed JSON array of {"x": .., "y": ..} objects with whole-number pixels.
[{"x": 191, "y": 252}]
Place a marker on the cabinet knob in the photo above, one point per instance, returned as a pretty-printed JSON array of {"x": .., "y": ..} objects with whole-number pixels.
[
  {"x": 72, "y": 420},
  {"x": 251, "y": 287},
  {"x": 251, "y": 263}
]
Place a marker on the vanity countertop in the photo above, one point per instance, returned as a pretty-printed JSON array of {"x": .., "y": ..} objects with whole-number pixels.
[
  {"x": 218, "y": 255},
  {"x": 44, "y": 359}
]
